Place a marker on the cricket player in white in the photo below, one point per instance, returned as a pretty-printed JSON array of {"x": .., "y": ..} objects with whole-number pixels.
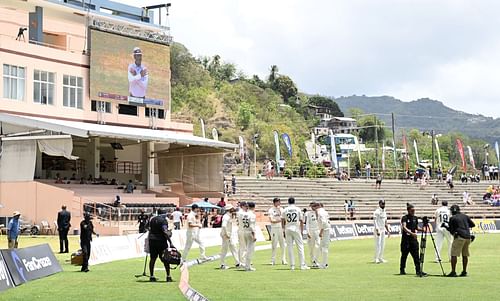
[
  {"x": 324, "y": 233},
  {"x": 193, "y": 233},
  {"x": 381, "y": 228},
  {"x": 241, "y": 237},
  {"x": 137, "y": 75},
  {"x": 293, "y": 224},
  {"x": 227, "y": 242},
  {"x": 248, "y": 223},
  {"x": 312, "y": 230},
  {"x": 276, "y": 231},
  {"x": 442, "y": 215}
]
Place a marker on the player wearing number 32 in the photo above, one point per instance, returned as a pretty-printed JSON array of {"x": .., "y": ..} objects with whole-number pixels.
[
  {"x": 293, "y": 224},
  {"x": 442, "y": 216}
]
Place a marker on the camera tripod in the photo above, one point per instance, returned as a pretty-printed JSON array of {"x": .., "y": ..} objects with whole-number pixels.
[{"x": 423, "y": 245}]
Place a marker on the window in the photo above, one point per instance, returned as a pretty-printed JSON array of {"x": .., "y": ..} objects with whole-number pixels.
[
  {"x": 43, "y": 88},
  {"x": 73, "y": 91},
  {"x": 13, "y": 82},
  {"x": 127, "y": 110},
  {"x": 100, "y": 106},
  {"x": 160, "y": 113}
]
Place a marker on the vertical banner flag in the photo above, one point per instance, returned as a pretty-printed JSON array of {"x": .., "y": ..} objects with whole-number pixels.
[
  {"x": 405, "y": 145},
  {"x": 438, "y": 153},
  {"x": 394, "y": 154},
  {"x": 202, "y": 128},
  {"x": 288, "y": 143},
  {"x": 333, "y": 151},
  {"x": 462, "y": 156},
  {"x": 498, "y": 151},
  {"x": 416, "y": 152},
  {"x": 277, "y": 142},
  {"x": 383, "y": 156},
  {"x": 215, "y": 134},
  {"x": 242, "y": 148},
  {"x": 356, "y": 140},
  {"x": 471, "y": 157}
]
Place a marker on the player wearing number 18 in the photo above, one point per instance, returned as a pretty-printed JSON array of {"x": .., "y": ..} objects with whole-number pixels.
[{"x": 293, "y": 224}]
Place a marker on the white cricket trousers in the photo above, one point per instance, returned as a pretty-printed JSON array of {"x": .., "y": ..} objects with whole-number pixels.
[
  {"x": 249, "y": 248},
  {"x": 227, "y": 243},
  {"x": 441, "y": 235},
  {"x": 379, "y": 246},
  {"x": 313, "y": 242},
  {"x": 277, "y": 238},
  {"x": 324, "y": 246},
  {"x": 291, "y": 238},
  {"x": 193, "y": 236},
  {"x": 241, "y": 247}
]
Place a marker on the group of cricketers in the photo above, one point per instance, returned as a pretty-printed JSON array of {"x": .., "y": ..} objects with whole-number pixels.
[{"x": 288, "y": 225}]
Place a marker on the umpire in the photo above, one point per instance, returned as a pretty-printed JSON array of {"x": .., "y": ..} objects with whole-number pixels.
[
  {"x": 409, "y": 241},
  {"x": 459, "y": 227},
  {"x": 159, "y": 240}
]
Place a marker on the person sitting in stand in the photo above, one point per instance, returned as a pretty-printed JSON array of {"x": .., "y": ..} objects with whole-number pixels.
[
  {"x": 117, "y": 202},
  {"x": 130, "y": 187},
  {"x": 463, "y": 178},
  {"x": 221, "y": 203},
  {"x": 434, "y": 200}
]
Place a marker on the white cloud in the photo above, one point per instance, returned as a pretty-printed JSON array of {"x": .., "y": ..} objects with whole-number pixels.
[{"x": 443, "y": 49}]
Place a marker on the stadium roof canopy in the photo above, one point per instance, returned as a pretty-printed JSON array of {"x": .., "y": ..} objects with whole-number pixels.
[{"x": 86, "y": 130}]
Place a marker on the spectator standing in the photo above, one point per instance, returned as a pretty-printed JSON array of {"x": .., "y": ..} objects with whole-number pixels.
[
  {"x": 13, "y": 230},
  {"x": 368, "y": 169},
  {"x": 439, "y": 174},
  {"x": 178, "y": 220},
  {"x": 63, "y": 225},
  {"x": 233, "y": 183},
  {"x": 378, "y": 181},
  {"x": 142, "y": 220},
  {"x": 281, "y": 165},
  {"x": 130, "y": 187}
]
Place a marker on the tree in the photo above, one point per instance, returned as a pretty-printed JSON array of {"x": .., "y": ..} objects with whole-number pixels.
[
  {"x": 368, "y": 125},
  {"x": 258, "y": 82},
  {"x": 327, "y": 102},
  {"x": 285, "y": 86},
  {"x": 273, "y": 75},
  {"x": 244, "y": 115}
]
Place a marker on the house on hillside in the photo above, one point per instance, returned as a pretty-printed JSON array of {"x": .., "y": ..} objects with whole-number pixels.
[{"x": 338, "y": 125}]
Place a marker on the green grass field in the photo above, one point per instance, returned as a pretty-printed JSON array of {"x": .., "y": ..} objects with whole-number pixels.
[{"x": 351, "y": 276}]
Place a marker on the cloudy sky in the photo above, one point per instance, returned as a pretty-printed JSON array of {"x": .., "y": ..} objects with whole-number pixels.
[{"x": 442, "y": 49}]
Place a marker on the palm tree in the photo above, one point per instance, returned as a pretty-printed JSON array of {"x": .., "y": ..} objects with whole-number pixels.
[{"x": 273, "y": 74}]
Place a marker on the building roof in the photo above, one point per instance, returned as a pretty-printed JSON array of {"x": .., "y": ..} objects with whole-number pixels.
[
  {"x": 85, "y": 130},
  {"x": 344, "y": 119}
]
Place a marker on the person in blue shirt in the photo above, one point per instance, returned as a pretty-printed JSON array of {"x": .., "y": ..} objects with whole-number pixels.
[{"x": 13, "y": 230}]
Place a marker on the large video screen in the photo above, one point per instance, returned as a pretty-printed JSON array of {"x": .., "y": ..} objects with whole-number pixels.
[{"x": 128, "y": 70}]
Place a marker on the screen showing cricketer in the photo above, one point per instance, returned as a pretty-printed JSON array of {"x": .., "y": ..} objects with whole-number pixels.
[{"x": 128, "y": 70}]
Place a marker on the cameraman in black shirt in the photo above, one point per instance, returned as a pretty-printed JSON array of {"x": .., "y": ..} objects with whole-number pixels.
[
  {"x": 159, "y": 240},
  {"x": 409, "y": 240},
  {"x": 459, "y": 226}
]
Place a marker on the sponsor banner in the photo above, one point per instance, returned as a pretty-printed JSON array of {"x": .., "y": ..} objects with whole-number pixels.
[
  {"x": 342, "y": 231},
  {"x": 111, "y": 248},
  {"x": 112, "y": 96},
  {"x": 145, "y": 101},
  {"x": 5, "y": 279},
  {"x": 486, "y": 226},
  {"x": 30, "y": 263},
  {"x": 368, "y": 229}
]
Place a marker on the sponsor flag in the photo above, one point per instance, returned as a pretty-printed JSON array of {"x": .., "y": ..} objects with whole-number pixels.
[
  {"x": 288, "y": 143},
  {"x": 416, "y": 152},
  {"x": 242, "y": 148},
  {"x": 356, "y": 140},
  {"x": 498, "y": 151},
  {"x": 383, "y": 156},
  {"x": 405, "y": 146},
  {"x": 333, "y": 151},
  {"x": 438, "y": 153},
  {"x": 215, "y": 134},
  {"x": 460, "y": 147},
  {"x": 394, "y": 154},
  {"x": 202, "y": 123},
  {"x": 277, "y": 142},
  {"x": 471, "y": 157}
]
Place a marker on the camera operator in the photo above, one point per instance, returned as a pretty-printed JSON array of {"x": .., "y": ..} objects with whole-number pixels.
[
  {"x": 409, "y": 240},
  {"x": 159, "y": 240},
  {"x": 459, "y": 227}
]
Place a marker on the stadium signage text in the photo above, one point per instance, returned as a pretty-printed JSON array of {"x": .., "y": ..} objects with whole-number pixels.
[{"x": 30, "y": 263}]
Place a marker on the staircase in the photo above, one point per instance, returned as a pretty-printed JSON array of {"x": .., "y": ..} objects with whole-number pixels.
[{"x": 332, "y": 193}]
